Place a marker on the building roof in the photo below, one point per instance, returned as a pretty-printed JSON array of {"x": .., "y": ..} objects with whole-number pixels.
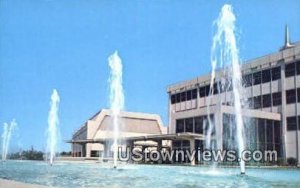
[
  {"x": 130, "y": 122},
  {"x": 248, "y": 66}
]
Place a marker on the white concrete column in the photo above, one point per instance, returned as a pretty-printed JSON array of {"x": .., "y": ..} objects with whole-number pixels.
[
  {"x": 192, "y": 148},
  {"x": 283, "y": 110}
]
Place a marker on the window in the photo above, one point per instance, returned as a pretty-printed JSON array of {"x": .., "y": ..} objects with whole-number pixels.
[
  {"x": 257, "y": 102},
  {"x": 207, "y": 90},
  {"x": 250, "y": 102},
  {"x": 173, "y": 99},
  {"x": 189, "y": 125},
  {"x": 179, "y": 126},
  {"x": 290, "y": 70},
  {"x": 94, "y": 153},
  {"x": 194, "y": 94},
  {"x": 202, "y": 91},
  {"x": 182, "y": 96},
  {"x": 247, "y": 80},
  {"x": 291, "y": 123},
  {"x": 177, "y": 97},
  {"x": 298, "y": 94},
  {"x": 291, "y": 96},
  {"x": 266, "y": 76},
  {"x": 199, "y": 125},
  {"x": 276, "y": 75},
  {"x": 298, "y": 67},
  {"x": 276, "y": 98},
  {"x": 277, "y": 132},
  {"x": 269, "y": 131},
  {"x": 256, "y": 78},
  {"x": 215, "y": 88},
  {"x": 261, "y": 132},
  {"x": 188, "y": 95},
  {"x": 266, "y": 100}
]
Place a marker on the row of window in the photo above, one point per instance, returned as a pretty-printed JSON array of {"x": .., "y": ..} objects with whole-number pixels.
[
  {"x": 194, "y": 124},
  {"x": 292, "y": 69},
  {"x": 184, "y": 96},
  {"x": 261, "y": 134},
  {"x": 248, "y": 80},
  {"x": 291, "y": 123},
  {"x": 265, "y": 101},
  {"x": 263, "y": 76},
  {"x": 292, "y": 97}
]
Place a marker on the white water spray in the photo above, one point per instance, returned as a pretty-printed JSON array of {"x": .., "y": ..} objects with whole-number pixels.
[
  {"x": 224, "y": 50},
  {"x": 116, "y": 98},
  {"x": 53, "y": 131},
  {"x": 6, "y": 136}
]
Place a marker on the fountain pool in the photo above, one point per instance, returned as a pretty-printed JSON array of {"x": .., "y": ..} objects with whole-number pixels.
[{"x": 67, "y": 174}]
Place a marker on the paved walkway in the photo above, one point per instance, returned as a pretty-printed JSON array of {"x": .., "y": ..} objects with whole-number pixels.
[{"x": 14, "y": 184}]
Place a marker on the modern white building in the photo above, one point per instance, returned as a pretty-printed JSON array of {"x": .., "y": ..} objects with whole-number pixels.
[
  {"x": 94, "y": 138},
  {"x": 271, "y": 104}
]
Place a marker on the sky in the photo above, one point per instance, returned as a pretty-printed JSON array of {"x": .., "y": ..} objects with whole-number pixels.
[{"x": 65, "y": 45}]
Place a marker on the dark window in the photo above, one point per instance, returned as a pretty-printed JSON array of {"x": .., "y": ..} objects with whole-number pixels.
[
  {"x": 276, "y": 98},
  {"x": 176, "y": 143},
  {"x": 298, "y": 94},
  {"x": 179, "y": 126},
  {"x": 291, "y": 123},
  {"x": 290, "y": 70},
  {"x": 173, "y": 99},
  {"x": 257, "y": 102},
  {"x": 291, "y": 96},
  {"x": 183, "y": 97},
  {"x": 229, "y": 86},
  {"x": 277, "y": 132},
  {"x": 267, "y": 100},
  {"x": 207, "y": 90},
  {"x": 189, "y": 125},
  {"x": 276, "y": 75},
  {"x": 199, "y": 125},
  {"x": 256, "y": 78},
  {"x": 177, "y": 97},
  {"x": 298, "y": 67},
  {"x": 202, "y": 91},
  {"x": 261, "y": 133},
  {"x": 269, "y": 131},
  {"x": 189, "y": 95},
  {"x": 266, "y": 76},
  {"x": 94, "y": 153},
  {"x": 250, "y": 103},
  {"x": 247, "y": 80},
  {"x": 216, "y": 89},
  {"x": 194, "y": 94}
]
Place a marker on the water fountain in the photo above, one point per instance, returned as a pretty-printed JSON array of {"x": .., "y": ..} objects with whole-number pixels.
[
  {"x": 224, "y": 51},
  {"x": 116, "y": 99},
  {"x": 53, "y": 131},
  {"x": 6, "y": 136}
]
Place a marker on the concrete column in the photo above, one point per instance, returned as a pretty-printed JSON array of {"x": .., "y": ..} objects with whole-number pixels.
[
  {"x": 130, "y": 144},
  {"x": 192, "y": 148},
  {"x": 159, "y": 149},
  {"x": 283, "y": 109},
  {"x": 88, "y": 149},
  {"x": 106, "y": 150},
  {"x": 219, "y": 128}
]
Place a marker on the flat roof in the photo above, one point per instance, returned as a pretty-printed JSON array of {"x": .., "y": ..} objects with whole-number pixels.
[{"x": 159, "y": 137}]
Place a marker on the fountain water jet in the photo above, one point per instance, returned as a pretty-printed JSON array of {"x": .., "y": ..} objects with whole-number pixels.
[
  {"x": 224, "y": 50},
  {"x": 116, "y": 98},
  {"x": 6, "y": 136},
  {"x": 53, "y": 131}
]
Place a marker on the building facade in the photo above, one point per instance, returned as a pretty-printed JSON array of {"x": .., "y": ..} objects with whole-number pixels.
[
  {"x": 270, "y": 105},
  {"x": 94, "y": 138}
]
